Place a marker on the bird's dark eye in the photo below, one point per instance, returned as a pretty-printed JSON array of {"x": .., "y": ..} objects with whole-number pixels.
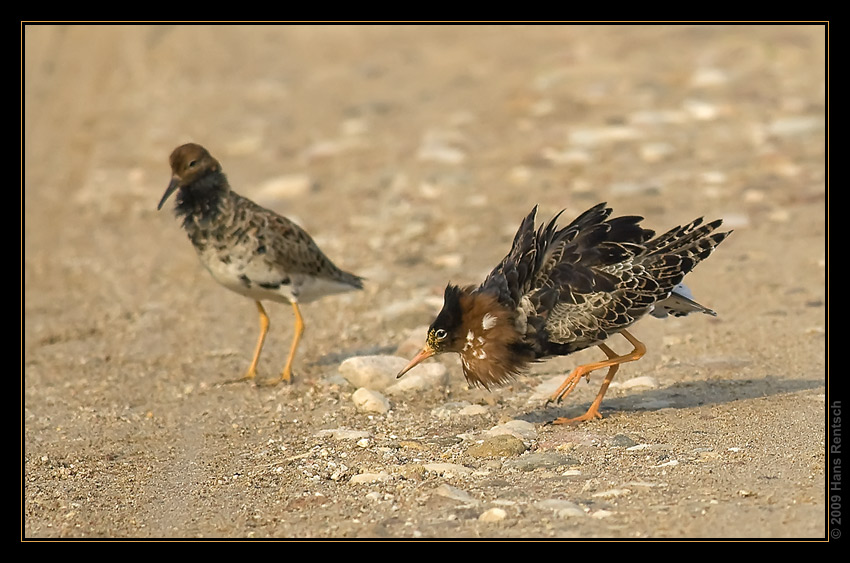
[
  {"x": 192, "y": 163},
  {"x": 441, "y": 334}
]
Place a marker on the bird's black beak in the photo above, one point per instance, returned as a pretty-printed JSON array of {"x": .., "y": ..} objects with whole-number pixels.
[
  {"x": 426, "y": 353},
  {"x": 175, "y": 183}
]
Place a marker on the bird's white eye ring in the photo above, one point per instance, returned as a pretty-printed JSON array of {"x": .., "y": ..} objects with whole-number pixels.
[{"x": 441, "y": 334}]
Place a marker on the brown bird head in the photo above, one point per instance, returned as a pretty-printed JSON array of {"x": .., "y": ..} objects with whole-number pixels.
[
  {"x": 196, "y": 174},
  {"x": 480, "y": 329}
]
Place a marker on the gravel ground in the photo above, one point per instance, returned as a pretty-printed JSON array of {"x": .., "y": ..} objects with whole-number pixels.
[{"x": 411, "y": 153}]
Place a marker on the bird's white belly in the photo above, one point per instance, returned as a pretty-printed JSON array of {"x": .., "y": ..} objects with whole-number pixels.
[
  {"x": 246, "y": 279},
  {"x": 235, "y": 275}
]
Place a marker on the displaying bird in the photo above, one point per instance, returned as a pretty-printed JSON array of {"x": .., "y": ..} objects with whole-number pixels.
[
  {"x": 249, "y": 249},
  {"x": 560, "y": 290}
]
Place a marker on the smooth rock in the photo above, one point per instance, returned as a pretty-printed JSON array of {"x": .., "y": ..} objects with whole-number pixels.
[
  {"x": 454, "y": 493},
  {"x": 368, "y": 400},
  {"x": 424, "y": 376},
  {"x": 493, "y": 515},
  {"x": 643, "y": 381},
  {"x": 370, "y": 477},
  {"x": 532, "y": 461},
  {"x": 498, "y": 446},
  {"x": 522, "y": 429},
  {"x": 562, "y": 508},
  {"x": 447, "y": 469},
  {"x": 372, "y": 372}
]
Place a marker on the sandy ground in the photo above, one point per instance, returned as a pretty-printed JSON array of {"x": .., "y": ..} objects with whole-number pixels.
[{"x": 411, "y": 153}]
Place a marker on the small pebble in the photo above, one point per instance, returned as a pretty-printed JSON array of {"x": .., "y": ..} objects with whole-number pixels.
[
  {"x": 671, "y": 463},
  {"x": 498, "y": 446},
  {"x": 442, "y": 146},
  {"x": 284, "y": 187},
  {"x": 602, "y": 135},
  {"x": 367, "y": 400},
  {"x": 612, "y": 493},
  {"x": 522, "y": 429},
  {"x": 447, "y": 469},
  {"x": 708, "y": 76},
  {"x": 369, "y": 478},
  {"x": 562, "y": 508},
  {"x": 796, "y": 125},
  {"x": 644, "y": 381},
  {"x": 472, "y": 410},
  {"x": 449, "y": 409},
  {"x": 547, "y": 460},
  {"x": 654, "y": 152},
  {"x": 621, "y": 441},
  {"x": 701, "y": 111},
  {"x": 493, "y": 515},
  {"x": 454, "y": 493}
]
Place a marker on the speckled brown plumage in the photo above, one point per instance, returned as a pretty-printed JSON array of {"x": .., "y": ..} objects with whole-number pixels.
[
  {"x": 248, "y": 248},
  {"x": 560, "y": 290}
]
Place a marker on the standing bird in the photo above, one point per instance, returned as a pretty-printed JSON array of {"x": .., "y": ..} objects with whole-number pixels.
[
  {"x": 250, "y": 249},
  {"x": 562, "y": 290}
]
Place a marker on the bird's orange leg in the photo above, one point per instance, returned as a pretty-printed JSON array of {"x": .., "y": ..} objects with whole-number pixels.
[
  {"x": 286, "y": 374},
  {"x": 613, "y": 363},
  {"x": 264, "y": 329},
  {"x": 575, "y": 376}
]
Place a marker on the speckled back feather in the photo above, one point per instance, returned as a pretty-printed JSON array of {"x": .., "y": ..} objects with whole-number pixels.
[{"x": 575, "y": 286}]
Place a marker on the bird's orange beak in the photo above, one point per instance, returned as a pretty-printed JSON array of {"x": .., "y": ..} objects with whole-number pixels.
[{"x": 426, "y": 353}]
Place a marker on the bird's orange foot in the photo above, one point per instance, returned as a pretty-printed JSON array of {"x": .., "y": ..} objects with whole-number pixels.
[
  {"x": 250, "y": 375},
  {"x": 591, "y": 414},
  {"x": 565, "y": 389},
  {"x": 286, "y": 377}
]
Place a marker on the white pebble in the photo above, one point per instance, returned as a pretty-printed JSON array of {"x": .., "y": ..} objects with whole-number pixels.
[
  {"x": 671, "y": 463},
  {"x": 372, "y": 372},
  {"x": 424, "y": 376},
  {"x": 472, "y": 410},
  {"x": 612, "y": 493},
  {"x": 454, "y": 493},
  {"x": 600, "y": 135},
  {"x": 448, "y": 261},
  {"x": 522, "y": 429},
  {"x": 713, "y": 177},
  {"x": 493, "y": 515},
  {"x": 708, "y": 76},
  {"x": 570, "y": 156},
  {"x": 442, "y": 146},
  {"x": 562, "y": 508},
  {"x": 370, "y": 477},
  {"x": 660, "y": 117},
  {"x": 283, "y": 187},
  {"x": 796, "y": 125},
  {"x": 701, "y": 111},
  {"x": 447, "y": 469},
  {"x": 644, "y": 381},
  {"x": 654, "y": 152},
  {"x": 367, "y": 400}
]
